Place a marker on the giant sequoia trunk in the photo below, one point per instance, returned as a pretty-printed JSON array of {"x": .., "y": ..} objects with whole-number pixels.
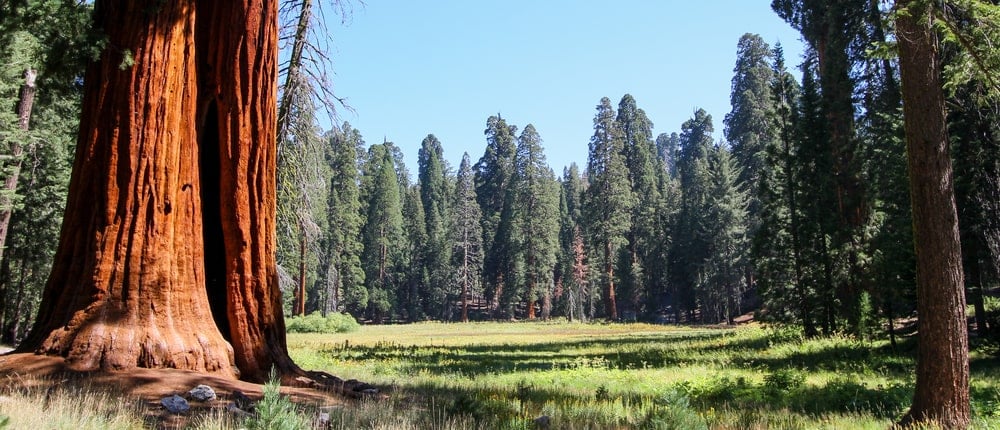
[
  {"x": 942, "y": 389},
  {"x": 166, "y": 258}
]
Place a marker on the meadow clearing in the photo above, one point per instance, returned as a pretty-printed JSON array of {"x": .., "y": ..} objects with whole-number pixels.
[
  {"x": 505, "y": 375},
  {"x": 563, "y": 375}
]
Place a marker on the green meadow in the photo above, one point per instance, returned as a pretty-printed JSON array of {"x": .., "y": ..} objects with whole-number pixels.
[
  {"x": 582, "y": 376},
  {"x": 561, "y": 375}
]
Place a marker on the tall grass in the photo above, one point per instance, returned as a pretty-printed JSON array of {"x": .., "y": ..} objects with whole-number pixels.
[{"x": 69, "y": 406}]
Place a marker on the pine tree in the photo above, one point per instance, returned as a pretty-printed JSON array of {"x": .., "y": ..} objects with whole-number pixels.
[
  {"x": 344, "y": 277},
  {"x": 750, "y": 126},
  {"x": 570, "y": 293},
  {"x": 536, "y": 218},
  {"x": 816, "y": 293},
  {"x": 777, "y": 244},
  {"x": 467, "y": 249},
  {"x": 726, "y": 234},
  {"x": 382, "y": 236},
  {"x": 941, "y": 395},
  {"x": 50, "y": 39},
  {"x": 835, "y": 32},
  {"x": 412, "y": 266},
  {"x": 494, "y": 173},
  {"x": 645, "y": 173},
  {"x": 690, "y": 248},
  {"x": 436, "y": 199},
  {"x": 609, "y": 200}
]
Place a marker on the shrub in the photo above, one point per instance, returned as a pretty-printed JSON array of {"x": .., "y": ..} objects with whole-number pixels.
[
  {"x": 274, "y": 411},
  {"x": 783, "y": 380},
  {"x": 674, "y": 411},
  {"x": 316, "y": 323}
]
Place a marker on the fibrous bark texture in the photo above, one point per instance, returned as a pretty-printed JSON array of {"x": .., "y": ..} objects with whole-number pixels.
[
  {"x": 942, "y": 389},
  {"x": 167, "y": 251}
]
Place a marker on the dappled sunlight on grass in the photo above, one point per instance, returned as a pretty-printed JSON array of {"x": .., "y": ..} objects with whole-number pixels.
[{"x": 750, "y": 377}]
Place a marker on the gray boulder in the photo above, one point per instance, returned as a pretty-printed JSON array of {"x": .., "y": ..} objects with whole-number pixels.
[
  {"x": 175, "y": 404},
  {"x": 202, "y": 393}
]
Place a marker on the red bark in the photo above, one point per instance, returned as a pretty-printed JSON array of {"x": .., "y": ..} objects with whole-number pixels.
[
  {"x": 167, "y": 247},
  {"x": 240, "y": 39},
  {"x": 942, "y": 388},
  {"x": 127, "y": 284}
]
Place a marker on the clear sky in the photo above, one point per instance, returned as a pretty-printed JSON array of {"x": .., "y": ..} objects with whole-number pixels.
[{"x": 412, "y": 68}]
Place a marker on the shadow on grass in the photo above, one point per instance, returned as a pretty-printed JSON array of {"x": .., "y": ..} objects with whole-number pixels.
[{"x": 773, "y": 352}]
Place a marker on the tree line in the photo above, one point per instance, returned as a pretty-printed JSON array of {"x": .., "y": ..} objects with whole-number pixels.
[{"x": 799, "y": 209}]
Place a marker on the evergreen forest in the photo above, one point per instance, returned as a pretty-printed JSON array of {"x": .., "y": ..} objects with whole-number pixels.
[{"x": 793, "y": 207}]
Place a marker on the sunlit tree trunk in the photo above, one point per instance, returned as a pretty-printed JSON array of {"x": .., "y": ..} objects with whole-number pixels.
[
  {"x": 942, "y": 388},
  {"x": 127, "y": 285},
  {"x": 168, "y": 240},
  {"x": 25, "y": 103}
]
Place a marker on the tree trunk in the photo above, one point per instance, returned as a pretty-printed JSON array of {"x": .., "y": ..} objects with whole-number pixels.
[
  {"x": 25, "y": 102},
  {"x": 127, "y": 284},
  {"x": 300, "y": 305},
  {"x": 609, "y": 270},
  {"x": 168, "y": 240},
  {"x": 465, "y": 279},
  {"x": 240, "y": 39},
  {"x": 942, "y": 388}
]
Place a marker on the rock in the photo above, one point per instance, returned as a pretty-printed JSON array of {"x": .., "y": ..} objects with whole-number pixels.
[
  {"x": 543, "y": 422},
  {"x": 202, "y": 393},
  {"x": 363, "y": 387},
  {"x": 175, "y": 404},
  {"x": 242, "y": 401},
  {"x": 323, "y": 420},
  {"x": 233, "y": 409}
]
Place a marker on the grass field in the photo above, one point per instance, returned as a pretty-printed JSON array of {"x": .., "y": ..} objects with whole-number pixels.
[
  {"x": 505, "y": 375},
  {"x": 577, "y": 376}
]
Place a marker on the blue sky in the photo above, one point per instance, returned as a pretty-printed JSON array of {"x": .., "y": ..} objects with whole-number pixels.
[{"x": 411, "y": 68}]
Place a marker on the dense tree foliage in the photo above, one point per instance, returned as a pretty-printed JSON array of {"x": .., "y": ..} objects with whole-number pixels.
[{"x": 801, "y": 214}]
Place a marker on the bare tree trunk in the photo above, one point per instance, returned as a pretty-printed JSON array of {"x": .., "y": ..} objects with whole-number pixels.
[
  {"x": 609, "y": 270},
  {"x": 465, "y": 280},
  {"x": 300, "y": 308},
  {"x": 26, "y": 101},
  {"x": 942, "y": 389}
]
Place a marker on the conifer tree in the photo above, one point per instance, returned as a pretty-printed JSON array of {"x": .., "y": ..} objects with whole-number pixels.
[
  {"x": 436, "y": 200},
  {"x": 467, "y": 245},
  {"x": 690, "y": 248},
  {"x": 343, "y": 276},
  {"x": 609, "y": 200},
  {"x": 302, "y": 188},
  {"x": 834, "y": 32},
  {"x": 382, "y": 236},
  {"x": 50, "y": 42},
  {"x": 536, "y": 217},
  {"x": 494, "y": 173},
  {"x": 750, "y": 126},
  {"x": 414, "y": 272},
  {"x": 726, "y": 231},
  {"x": 644, "y": 170}
]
